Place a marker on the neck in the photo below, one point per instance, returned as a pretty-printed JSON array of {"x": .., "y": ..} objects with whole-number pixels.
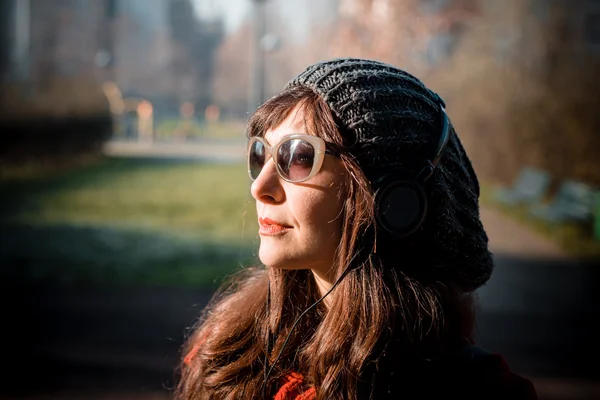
[{"x": 324, "y": 283}]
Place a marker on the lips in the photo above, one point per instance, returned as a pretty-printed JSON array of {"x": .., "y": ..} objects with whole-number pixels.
[{"x": 268, "y": 227}]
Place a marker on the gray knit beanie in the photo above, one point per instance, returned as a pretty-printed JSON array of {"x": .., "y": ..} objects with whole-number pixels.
[{"x": 391, "y": 122}]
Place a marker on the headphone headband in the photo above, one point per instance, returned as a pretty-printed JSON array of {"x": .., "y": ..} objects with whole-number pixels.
[
  {"x": 445, "y": 135},
  {"x": 430, "y": 165}
]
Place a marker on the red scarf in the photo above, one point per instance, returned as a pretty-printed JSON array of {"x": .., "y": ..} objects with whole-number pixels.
[{"x": 290, "y": 390}]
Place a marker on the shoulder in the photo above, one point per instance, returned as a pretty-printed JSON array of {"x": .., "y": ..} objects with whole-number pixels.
[
  {"x": 484, "y": 374},
  {"x": 471, "y": 372}
]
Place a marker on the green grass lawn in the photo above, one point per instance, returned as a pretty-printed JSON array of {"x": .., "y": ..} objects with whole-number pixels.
[{"x": 129, "y": 221}]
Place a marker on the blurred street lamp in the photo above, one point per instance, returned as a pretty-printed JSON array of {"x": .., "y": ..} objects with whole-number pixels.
[
  {"x": 102, "y": 58},
  {"x": 270, "y": 42},
  {"x": 262, "y": 43}
]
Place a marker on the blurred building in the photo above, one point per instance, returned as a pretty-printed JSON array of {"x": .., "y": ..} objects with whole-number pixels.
[
  {"x": 65, "y": 39},
  {"x": 55, "y": 57},
  {"x": 154, "y": 49},
  {"x": 14, "y": 38}
]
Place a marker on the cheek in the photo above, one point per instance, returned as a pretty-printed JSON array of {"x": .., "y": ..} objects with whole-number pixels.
[{"x": 323, "y": 214}]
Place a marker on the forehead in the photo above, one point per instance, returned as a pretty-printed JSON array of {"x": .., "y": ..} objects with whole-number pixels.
[{"x": 294, "y": 123}]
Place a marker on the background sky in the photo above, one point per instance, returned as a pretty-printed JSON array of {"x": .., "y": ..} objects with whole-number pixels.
[{"x": 294, "y": 13}]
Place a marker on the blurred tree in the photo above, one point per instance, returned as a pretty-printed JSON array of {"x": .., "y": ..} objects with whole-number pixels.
[
  {"x": 560, "y": 117},
  {"x": 522, "y": 89},
  {"x": 199, "y": 40},
  {"x": 413, "y": 34}
]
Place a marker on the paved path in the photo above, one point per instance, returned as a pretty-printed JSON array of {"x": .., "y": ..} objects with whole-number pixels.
[
  {"x": 206, "y": 149},
  {"x": 507, "y": 236}
]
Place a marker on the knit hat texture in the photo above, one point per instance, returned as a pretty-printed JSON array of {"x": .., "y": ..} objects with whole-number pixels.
[{"x": 392, "y": 122}]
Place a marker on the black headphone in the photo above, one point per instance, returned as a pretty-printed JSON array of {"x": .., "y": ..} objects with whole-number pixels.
[{"x": 401, "y": 203}]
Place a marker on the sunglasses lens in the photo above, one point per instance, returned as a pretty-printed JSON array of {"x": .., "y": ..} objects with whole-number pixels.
[
  {"x": 295, "y": 159},
  {"x": 256, "y": 158}
]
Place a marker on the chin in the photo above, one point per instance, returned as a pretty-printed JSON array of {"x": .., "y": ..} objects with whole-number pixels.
[
  {"x": 271, "y": 259},
  {"x": 275, "y": 257}
]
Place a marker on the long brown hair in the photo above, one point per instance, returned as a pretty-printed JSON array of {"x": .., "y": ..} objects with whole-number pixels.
[{"x": 336, "y": 352}]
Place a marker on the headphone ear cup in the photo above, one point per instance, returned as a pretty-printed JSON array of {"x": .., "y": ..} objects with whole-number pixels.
[{"x": 400, "y": 207}]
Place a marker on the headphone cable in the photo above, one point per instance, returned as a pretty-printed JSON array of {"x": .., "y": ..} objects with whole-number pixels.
[{"x": 287, "y": 338}]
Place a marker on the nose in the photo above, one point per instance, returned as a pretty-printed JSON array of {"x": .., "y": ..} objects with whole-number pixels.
[{"x": 267, "y": 187}]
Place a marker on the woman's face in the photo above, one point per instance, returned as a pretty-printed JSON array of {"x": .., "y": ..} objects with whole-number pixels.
[{"x": 300, "y": 224}]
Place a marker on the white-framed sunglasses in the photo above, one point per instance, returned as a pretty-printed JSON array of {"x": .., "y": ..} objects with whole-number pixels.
[{"x": 297, "y": 157}]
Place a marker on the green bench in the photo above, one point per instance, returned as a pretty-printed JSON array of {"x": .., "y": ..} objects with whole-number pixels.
[
  {"x": 596, "y": 212},
  {"x": 572, "y": 203},
  {"x": 529, "y": 188}
]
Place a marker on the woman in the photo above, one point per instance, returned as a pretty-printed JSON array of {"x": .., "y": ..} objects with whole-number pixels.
[{"x": 372, "y": 245}]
